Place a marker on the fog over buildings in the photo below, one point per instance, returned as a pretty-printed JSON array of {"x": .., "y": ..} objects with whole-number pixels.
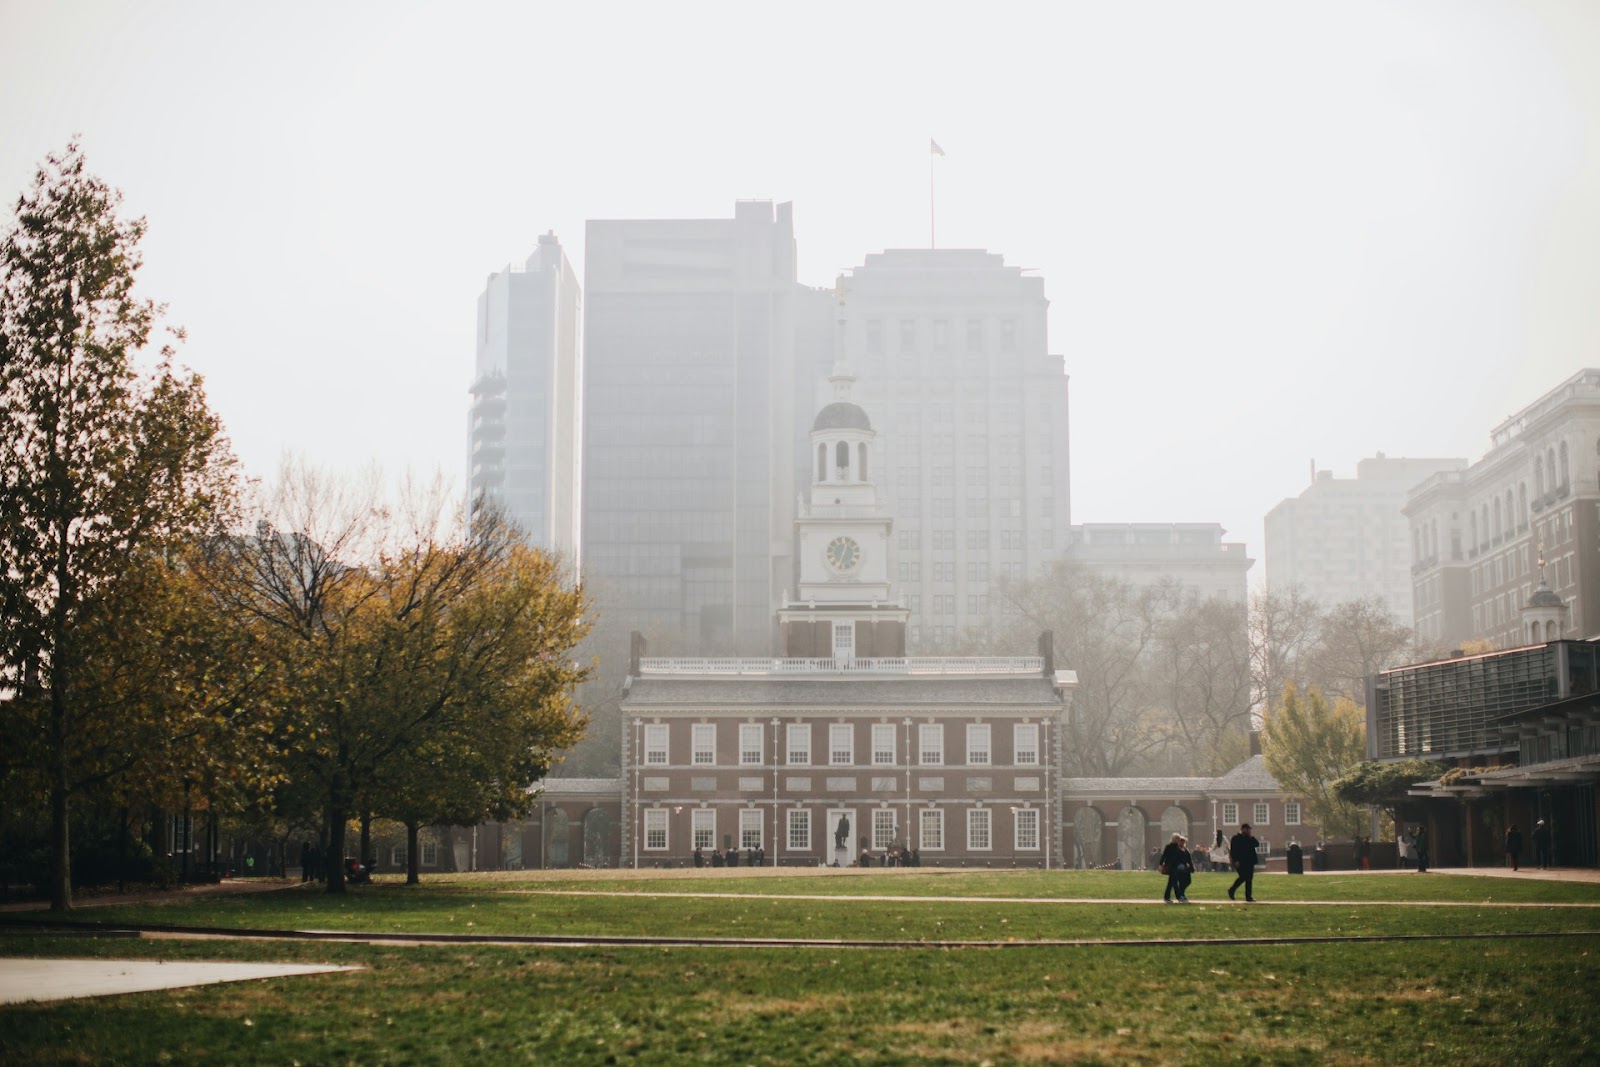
[{"x": 1247, "y": 237}]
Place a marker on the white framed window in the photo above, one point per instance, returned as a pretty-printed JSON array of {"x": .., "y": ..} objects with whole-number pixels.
[
  {"x": 930, "y": 837},
  {"x": 750, "y": 828},
  {"x": 1291, "y": 813},
  {"x": 978, "y": 743},
  {"x": 1263, "y": 813},
  {"x": 799, "y": 743},
  {"x": 655, "y": 744},
  {"x": 750, "y": 743},
  {"x": 655, "y": 829},
  {"x": 1027, "y": 829},
  {"x": 705, "y": 828},
  {"x": 1025, "y": 744},
  {"x": 979, "y": 824},
  {"x": 884, "y": 829},
  {"x": 397, "y": 856},
  {"x": 883, "y": 744},
  {"x": 931, "y": 737},
  {"x": 841, "y": 744},
  {"x": 430, "y": 854},
  {"x": 704, "y": 735},
  {"x": 1230, "y": 814},
  {"x": 799, "y": 830}
]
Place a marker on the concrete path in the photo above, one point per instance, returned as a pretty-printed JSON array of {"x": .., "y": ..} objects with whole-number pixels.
[{"x": 24, "y": 980}]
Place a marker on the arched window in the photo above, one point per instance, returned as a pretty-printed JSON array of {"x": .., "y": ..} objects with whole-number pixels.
[
  {"x": 861, "y": 468},
  {"x": 1566, "y": 471},
  {"x": 1550, "y": 467},
  {"x": 1498, "y": 531},
  {"x": 1474, "y": 529},
  {"x": 1511, "y": 514},
  {"x": 822, "y": 463},
  {"x": 1538, "y": 476},
  {"x": 842, "y": 458},
  {"x": 1522, "y": 504},
  {"x": 1485, "y": 528}
]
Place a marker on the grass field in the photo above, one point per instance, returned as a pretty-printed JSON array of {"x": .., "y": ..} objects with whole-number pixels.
[{"x": 1511, "y": 1000}]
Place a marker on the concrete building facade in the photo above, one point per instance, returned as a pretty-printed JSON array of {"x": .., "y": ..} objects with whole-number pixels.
[
  {"x": 524, "y": 426},
  {"x": 688, "y": 459},
  {"x": 1348, "y": 538},
  {"x": 952, "y": 353},
  {"x": 1193, "y": 554},
  {"x": 1477, "y": 535}
]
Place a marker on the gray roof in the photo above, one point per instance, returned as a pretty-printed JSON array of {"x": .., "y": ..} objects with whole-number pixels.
[
  {"x": 850, "y": 693},
  {"x": 1131, "y": 787},
  {"x": 842, "y": 415},
  {"x": 1251, "y": 776}
]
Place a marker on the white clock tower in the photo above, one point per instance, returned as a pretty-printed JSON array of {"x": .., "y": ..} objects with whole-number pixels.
[{"x": 843, "y": 610}]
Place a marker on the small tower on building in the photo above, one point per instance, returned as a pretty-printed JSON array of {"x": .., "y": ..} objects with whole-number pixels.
[
  {"x": 843, "y": 609},
  {"x": 1544, "y": 617}
]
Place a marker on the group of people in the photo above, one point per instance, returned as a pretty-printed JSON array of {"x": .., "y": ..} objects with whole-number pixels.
[
  {"x": 893, "y": 856},
  {"x": 753, "y": 857},
  {"x": 1412, "y": 847},
  {"x": 1177, "y": 863},
  {"x": 1541, "y": 845}
]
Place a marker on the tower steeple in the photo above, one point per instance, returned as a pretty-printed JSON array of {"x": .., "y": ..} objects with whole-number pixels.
[{"x": 843, "y": 609}]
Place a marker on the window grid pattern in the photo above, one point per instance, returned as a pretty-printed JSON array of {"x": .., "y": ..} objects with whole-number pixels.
[
  {"x": 799, "y": 831},
  {"x": 931, "y": 736},
  {"x": 1025, "y": 742},
  {"x": 841, "y": 744},
  {"x": 655, "y": 744},
  {"x": 750, "y": 828},
  {"x": 978, "y": 744},
  {"x": 705, "y": 828},
  {"x": 979, "y": 838},
  {"x": 931, "y": 827},
  {"x": 883, "y": 744},
  {"x": 750, "y": 743},
  {"x": 799, "y": 744},
  {"x": 705, "y": 743},
  {"x": 655, "y": 829},
  {"x": 1027, "y": 829},
  {"x": 884, "y": 829}
]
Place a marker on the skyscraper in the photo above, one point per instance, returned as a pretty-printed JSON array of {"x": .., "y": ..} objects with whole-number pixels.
[
  {"x": 524, "y": 429},
  {"x": 950, "y": 351},
  {"x": 688, "y": 476},
  {"x": 1347, "y": 538}
]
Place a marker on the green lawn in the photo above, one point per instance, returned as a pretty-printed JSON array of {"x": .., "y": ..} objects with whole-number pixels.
[{"x": 1503, "y": 1001}]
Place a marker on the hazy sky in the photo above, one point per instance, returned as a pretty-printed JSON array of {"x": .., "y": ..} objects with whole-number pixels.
[{"x": 1269, "y": 232}]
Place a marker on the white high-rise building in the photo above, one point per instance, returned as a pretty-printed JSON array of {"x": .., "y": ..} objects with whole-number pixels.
[
  {"x": 1348, "y": 538},
  {"x": 525, "y": 423},
  {"x": 950, "y": 351}
]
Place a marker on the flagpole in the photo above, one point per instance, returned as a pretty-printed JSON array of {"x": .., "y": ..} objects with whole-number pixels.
[{"x": 931, "y": 242}]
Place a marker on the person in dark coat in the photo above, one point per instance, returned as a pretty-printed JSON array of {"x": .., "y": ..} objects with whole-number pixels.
[
  {"x": 1423, "y": 855},
  {"x": 1297, "y": 859},
  {"x": 1175, "y": 860},
  {"x": 1541, "y": 845},
  {"x": 699, "y": 857},
  {"x": 1513, "y": 846},
  {"x": 1242, "y": 852}
]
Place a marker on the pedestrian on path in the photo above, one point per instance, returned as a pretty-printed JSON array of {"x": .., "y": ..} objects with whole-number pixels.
[
  {"x": 1541, "y": 845},
  {"x": 1513, "y": 845},
  {"x": 1242, "y": 851},
  {"x": 1421, "y": 843},
  {"x": 1177, "y": 865}
]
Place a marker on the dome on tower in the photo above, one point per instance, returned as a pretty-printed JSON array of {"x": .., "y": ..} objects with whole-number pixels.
[
  {"x": 1545, "y": 597},
  {"x": 842, "y": 415}
]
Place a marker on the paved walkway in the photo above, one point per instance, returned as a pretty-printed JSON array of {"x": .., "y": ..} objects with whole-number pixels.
[
  {"x": 25, "y": 980},
  {"x": 157, "y": 896}
]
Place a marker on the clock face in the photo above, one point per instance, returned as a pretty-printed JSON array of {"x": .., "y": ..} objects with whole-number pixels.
[{"x": 843, "y": 554}]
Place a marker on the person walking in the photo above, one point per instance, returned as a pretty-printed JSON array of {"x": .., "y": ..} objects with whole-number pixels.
[
  {"x": 1178, "y": 866},
  {"x": 1403, "y": 848},
  {"x": 1541, "y": 845},
  {"x": 1513, "y": 846},
  {"x": 1420, "y": 842},
  {"x": 1242, "y": 851}
]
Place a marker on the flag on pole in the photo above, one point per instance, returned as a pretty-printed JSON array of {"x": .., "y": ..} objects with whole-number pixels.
[{"x": 933, "y": 148}]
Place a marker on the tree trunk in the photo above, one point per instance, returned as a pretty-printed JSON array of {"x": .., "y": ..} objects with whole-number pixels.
[
  {"x": 366, "y": 837},
  {"x": 411, "y": 854},
  {"x": 60, "y": 831},
  {"x": 335, "y": 853}
]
